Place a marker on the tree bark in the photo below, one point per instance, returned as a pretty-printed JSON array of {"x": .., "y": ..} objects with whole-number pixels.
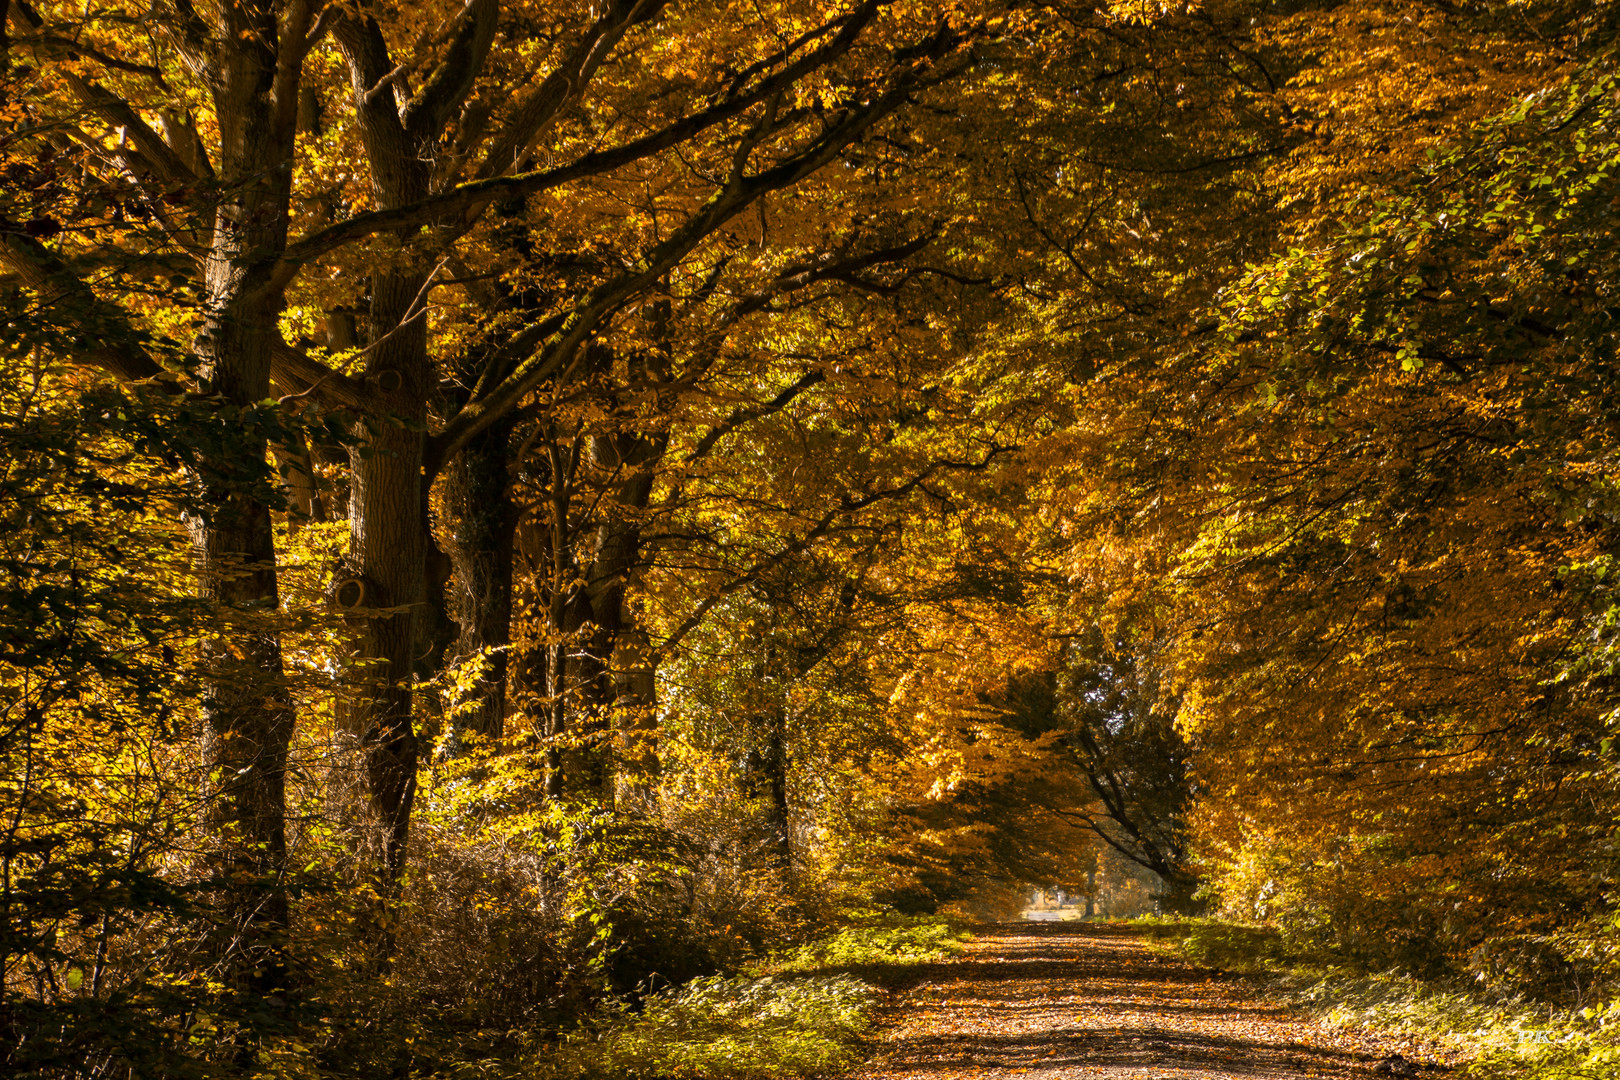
[
  {"x": 388, "y": 544},
  {"x": 482, "y": 520},
  {"x": 389, "y": 539},
  {"x": 247, "y": 710},
  {"x": 296, "y": 465},
  {"x": 635, "y": 698},
  {"x": 387, "y": 549},
  {"x": 770, "y": 767}
]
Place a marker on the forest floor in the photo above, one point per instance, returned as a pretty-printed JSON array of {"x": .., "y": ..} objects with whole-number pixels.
[{"x": 1054, "y": 1001}]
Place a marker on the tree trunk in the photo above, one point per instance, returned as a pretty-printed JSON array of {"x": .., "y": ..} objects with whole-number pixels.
[
  {"x": 774, "y": 773},
  {"x": 436, "y": 631},
  {"x": 388, "y": 541},
  {"x": 635, "y": 706},
  {"x": 482, "y": 520},
  {"x": 297, "y": 468},
  {"x": 247, "y": 710},
  {"x": 628, "y": 459},
  {"x": 1177, "y": 896},
  {"x": 247, "y": 726},
  {"x": 388, "y": 548}
]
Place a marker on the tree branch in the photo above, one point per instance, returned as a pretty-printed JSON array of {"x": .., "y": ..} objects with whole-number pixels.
[
  {"x": 739, "y": 192},
  {"x": 58, "y": 287},
  {"x": 452, "y": 80},
  {"x": 751, "y": 413},
  {"x": 565, "y": 83},
  {"x": 821, "y": 528},
  {"x": 469, "y": 198}
]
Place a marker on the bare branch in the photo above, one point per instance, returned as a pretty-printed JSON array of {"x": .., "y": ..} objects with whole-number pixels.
[{"x": 824, "y": 526}]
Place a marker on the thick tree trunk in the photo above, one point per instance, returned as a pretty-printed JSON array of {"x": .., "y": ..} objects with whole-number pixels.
[
  {"x": 482, "y": 520},
  {"x": 247, "y": 726},
  {"x": 635, "y": 706},
  {"x": 247, "y": 710},
  {"x": 388, "y": 548},
  {"x": 389, "y": 541},
  {"x": 615, "y": 554}
]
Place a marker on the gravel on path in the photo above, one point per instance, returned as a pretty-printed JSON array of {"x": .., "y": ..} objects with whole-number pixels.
[{"x": 1055, "y": 1001}]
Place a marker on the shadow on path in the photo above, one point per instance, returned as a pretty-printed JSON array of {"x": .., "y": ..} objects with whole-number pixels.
[{"x": 1062, "y": 1000}]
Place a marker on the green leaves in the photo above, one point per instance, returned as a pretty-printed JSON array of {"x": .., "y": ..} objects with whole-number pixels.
[{"x": 727, "y": 1028}]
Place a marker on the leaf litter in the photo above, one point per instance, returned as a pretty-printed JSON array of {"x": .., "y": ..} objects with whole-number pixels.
[{"x": 1066, "y": 1001}]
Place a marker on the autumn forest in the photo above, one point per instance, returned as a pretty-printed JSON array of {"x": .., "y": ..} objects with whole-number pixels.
[{"x": 512, "y": 509}]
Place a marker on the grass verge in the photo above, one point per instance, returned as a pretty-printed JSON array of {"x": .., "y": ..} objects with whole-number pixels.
[
  {"x": 1500, "y": 1037},
  {"x": 797, "y": 1015}
]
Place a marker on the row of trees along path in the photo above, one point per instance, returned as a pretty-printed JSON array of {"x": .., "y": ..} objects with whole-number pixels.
[{"x": 1086, "y": 1000}]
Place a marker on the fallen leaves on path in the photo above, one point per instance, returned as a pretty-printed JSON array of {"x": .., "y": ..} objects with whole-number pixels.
[{"x": 1056, "y": 1001}]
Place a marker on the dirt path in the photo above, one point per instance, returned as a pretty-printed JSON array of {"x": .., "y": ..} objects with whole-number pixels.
[{"x": 1056, "y": 1000}]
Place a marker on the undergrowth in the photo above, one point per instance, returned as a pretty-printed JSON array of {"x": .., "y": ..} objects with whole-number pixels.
[
  {"x": 1501, "y": 1036},
  {"x": 797, "y": 1015},
  {"x": 728, "y": 1029},
  {"x": 878, "y": 943}
]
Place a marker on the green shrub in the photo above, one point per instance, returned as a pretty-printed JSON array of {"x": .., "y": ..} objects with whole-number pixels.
[
  {"x": 791, "y": 1018},
  {"x": 723, "y": 1028},
  {"x": 1234, "y": 947},
  {"x": 909, "y": 941}
]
